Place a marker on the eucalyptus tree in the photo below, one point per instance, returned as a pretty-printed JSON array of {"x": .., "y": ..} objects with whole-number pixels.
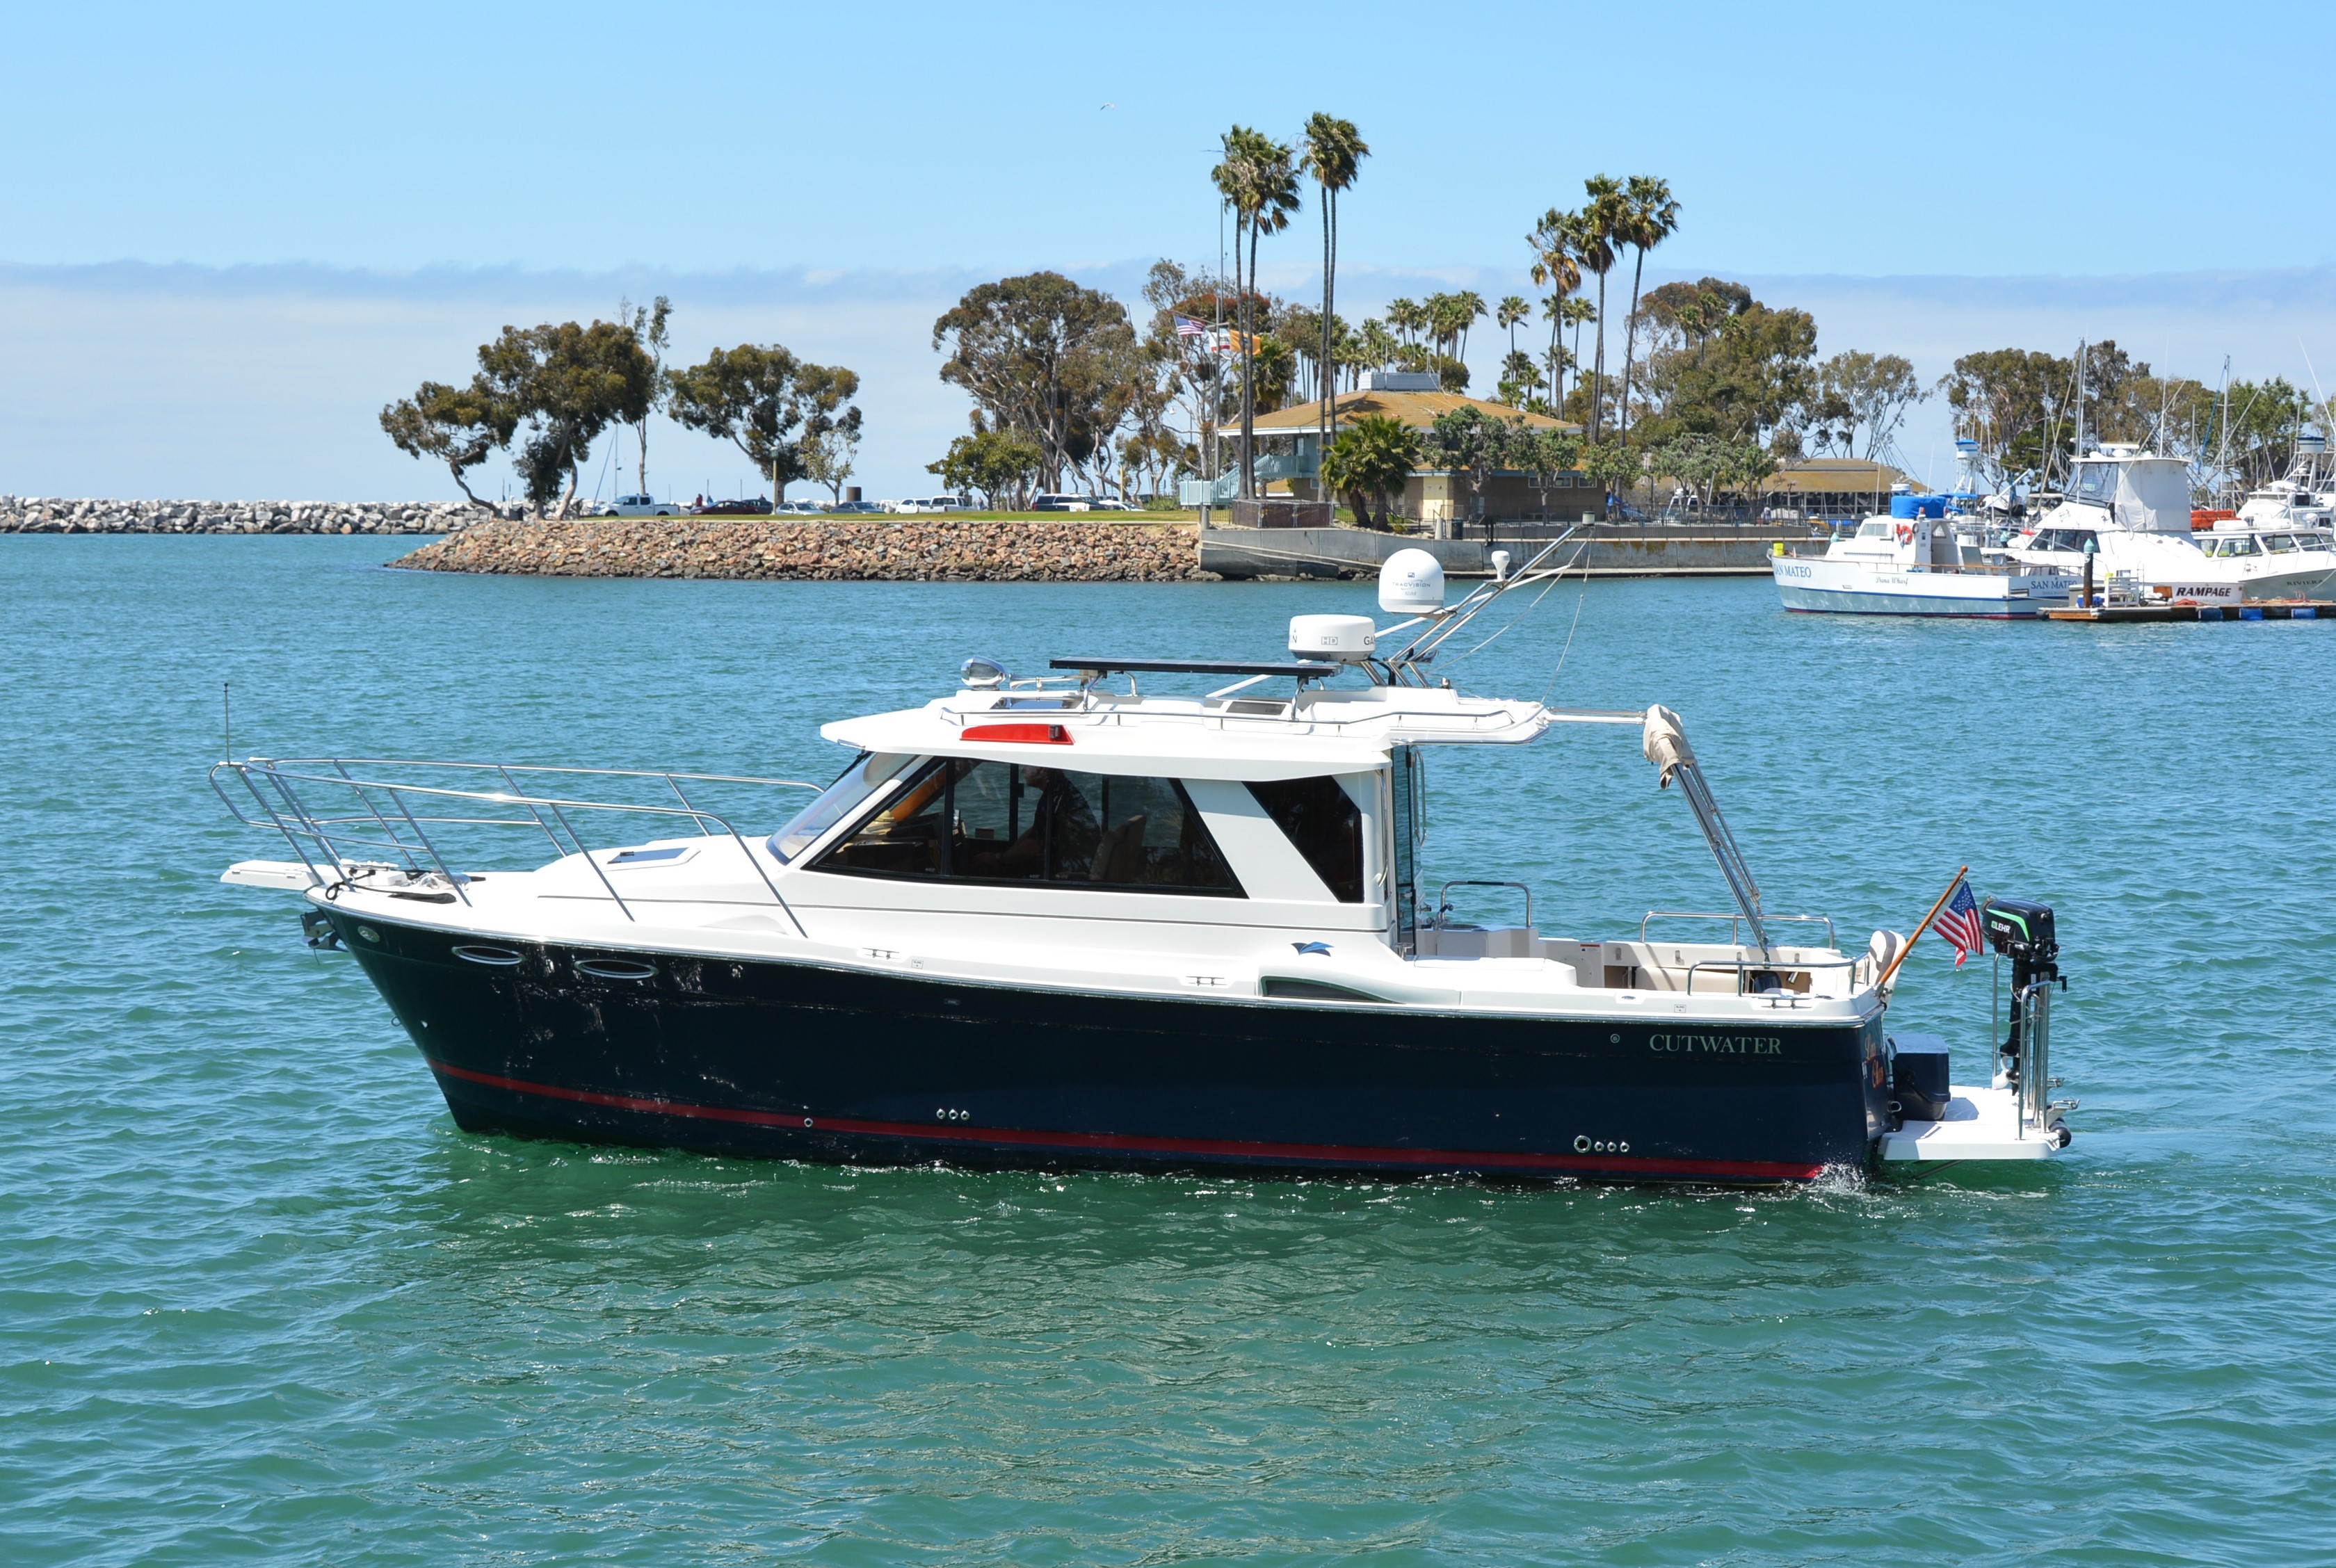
[
  {"x": 768, "y": 404},
  {"x": 1595, "y": 240},
  {"x": 1258, "y": 182},
  {"x": 461, "y": 426},
  {"x": 1649, "y": 215},
  {"x": 1869, "y": 392},
  {"x": 1333, "y": 150},
  {"x": 569, "y": 383},
  {"x": 1558, "y": 269},
  {"x": 1041, "y": 355},
  {"x": 648, "y": 325}
]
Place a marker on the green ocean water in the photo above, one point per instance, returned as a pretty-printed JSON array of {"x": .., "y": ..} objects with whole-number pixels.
[{"x": 260, "y": 1302}]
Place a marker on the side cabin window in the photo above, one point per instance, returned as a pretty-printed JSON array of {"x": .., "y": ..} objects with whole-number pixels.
[
  {"x": 2096, "y": 480},
  {"x": 962, "y": 819},
  {"x": 1407, "y": 788},
  {"x": 1326, "y": 826},
  {"x": 1873, "y": 528}
]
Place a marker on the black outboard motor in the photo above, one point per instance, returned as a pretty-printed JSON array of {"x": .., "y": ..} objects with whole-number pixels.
[{"x": 2023, "y": 933}]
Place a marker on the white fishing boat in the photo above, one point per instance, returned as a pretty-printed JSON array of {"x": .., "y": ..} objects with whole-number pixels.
[
  {"x": 1048, "y": 921},
  {"x": 1916, "y": 565},
  {"x": 2303, "y": 499},
  {"x": 2128, "y": 510}
]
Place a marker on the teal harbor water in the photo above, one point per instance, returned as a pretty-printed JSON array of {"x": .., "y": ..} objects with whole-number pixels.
[{"x": 261, "y": 1303}]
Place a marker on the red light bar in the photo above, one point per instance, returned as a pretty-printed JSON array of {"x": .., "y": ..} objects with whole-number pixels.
[{"x": 1028, "y": 734}]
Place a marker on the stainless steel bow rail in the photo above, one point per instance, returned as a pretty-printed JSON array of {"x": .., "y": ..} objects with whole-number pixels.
[{"x": 337, "y": 844}]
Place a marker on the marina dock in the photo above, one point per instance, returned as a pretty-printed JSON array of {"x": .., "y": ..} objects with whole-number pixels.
[
  {"x": 2268, "y": 609},
  {"x": 1604, "y": 548}
]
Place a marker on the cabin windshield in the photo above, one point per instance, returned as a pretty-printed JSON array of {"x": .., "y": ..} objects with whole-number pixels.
[
  {"x": 867, "y": 772},
  {"x": 2096, "y": 480},
  {"x": 1873, "y": 528},
  {"x": 966, "y": 820}
]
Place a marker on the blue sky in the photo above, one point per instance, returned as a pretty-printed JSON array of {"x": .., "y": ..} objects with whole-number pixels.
[{"x": 320, "y": 205}]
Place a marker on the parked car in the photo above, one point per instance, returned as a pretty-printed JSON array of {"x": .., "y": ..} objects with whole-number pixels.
[
  {"x": 856, "y": 507},
  {"x": 1046, "y": 502},
  {"x": 799, "y": 509},
  {"x": 1108, "y": 503},
  {"x": 639, "y": 506},
  {"x": 926, "y": 503},
  {"x": 752, "y": 506}
]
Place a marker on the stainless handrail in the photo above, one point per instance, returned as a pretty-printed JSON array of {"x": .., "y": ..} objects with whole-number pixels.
[
  {"x": 1444, "y": 905},
  {"x": 1736, "y": 922},
  {"x": 296, "y": 821},
  {"x": 1746, "y": 966}
]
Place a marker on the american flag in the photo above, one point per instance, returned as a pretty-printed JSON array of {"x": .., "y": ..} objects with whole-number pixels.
[
  {"x": 1188, "y": 327},
  {"x": 1958, "y": 922}
]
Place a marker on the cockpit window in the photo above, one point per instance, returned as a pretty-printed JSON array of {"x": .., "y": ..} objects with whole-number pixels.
[
  {"x": 867, "y": 772},
  {"x": 964, "y": 820},
  {"x": 2096, "y": 480}
]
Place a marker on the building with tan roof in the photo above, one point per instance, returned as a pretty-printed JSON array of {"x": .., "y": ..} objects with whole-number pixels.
[{"x": 1289, "y": 456}]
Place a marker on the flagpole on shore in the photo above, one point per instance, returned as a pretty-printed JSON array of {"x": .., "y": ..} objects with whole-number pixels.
[{"x": 1953, "y": 884}]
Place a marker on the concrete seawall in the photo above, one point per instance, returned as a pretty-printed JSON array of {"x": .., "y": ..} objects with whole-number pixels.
[
  {"x": 49, "y": 515},
  {"x": 1605, "y": 549},
  {"x": 765, "y": 548}
]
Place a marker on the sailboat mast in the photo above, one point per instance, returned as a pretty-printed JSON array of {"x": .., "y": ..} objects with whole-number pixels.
[{"x": 2080, "y": 398}]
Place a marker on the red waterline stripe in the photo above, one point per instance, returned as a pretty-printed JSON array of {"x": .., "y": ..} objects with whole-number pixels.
[{"x": 996, "y": 1137}]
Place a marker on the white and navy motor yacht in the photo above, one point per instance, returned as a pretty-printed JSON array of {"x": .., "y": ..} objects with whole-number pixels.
[{"x": 1067, "y": 920}]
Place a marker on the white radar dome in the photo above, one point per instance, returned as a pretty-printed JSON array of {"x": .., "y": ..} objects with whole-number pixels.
[
  {"x": 1347, "y": 638},
  {"x": 1411, "y": 582}
]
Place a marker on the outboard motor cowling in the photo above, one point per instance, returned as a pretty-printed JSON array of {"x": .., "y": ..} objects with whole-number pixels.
[{"x": 2024, "y": 933}]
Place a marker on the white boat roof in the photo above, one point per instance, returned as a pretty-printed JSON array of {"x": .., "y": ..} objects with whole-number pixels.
[{"x": 1243, "y": 734}]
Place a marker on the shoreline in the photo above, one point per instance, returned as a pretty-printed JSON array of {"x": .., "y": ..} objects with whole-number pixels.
[
  {"x": 51, "y": 514},
  {"x": 762, "y": 548}
]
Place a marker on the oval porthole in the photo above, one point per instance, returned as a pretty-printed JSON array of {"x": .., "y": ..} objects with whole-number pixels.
[
  {"x": 368, "y": 933},
  {"x": 499, "y": 958},
  {"x": 615, "y": 968}
]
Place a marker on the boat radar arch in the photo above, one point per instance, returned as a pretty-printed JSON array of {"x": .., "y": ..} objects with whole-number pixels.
[{"x": 1411, "y": 582}]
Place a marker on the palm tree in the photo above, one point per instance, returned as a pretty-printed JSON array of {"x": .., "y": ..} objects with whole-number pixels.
[
  {"x": 1260, "y": 184},
  {"x": 1601, "y": 215},
  {"x": 1466, "y": 307},
  {"x": 1511, "y": 313},
  {"x": 1372, "y": 457},
  {"x": 1576, "y": 314},
  {"x": 1333, "y": 149},
  {"x": 1556, "y": 269},
  {"x": 1405, "y": 318},
  {"x": 1650, "y": 216}
]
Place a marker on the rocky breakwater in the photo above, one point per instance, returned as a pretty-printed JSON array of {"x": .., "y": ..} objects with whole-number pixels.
[
  {"x": 44, "y": 514},
  {"x": 903, "y": 551}
]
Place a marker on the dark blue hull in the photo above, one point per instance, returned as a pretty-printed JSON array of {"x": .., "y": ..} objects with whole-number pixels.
[{"x": 796, "y": 1061}]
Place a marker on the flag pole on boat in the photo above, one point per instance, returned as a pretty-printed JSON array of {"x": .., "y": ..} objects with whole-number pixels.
[{"x": 1953, "y": 884}]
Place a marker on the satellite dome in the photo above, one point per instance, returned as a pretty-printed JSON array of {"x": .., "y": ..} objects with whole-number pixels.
[{"x": 1411, "y": 582}]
